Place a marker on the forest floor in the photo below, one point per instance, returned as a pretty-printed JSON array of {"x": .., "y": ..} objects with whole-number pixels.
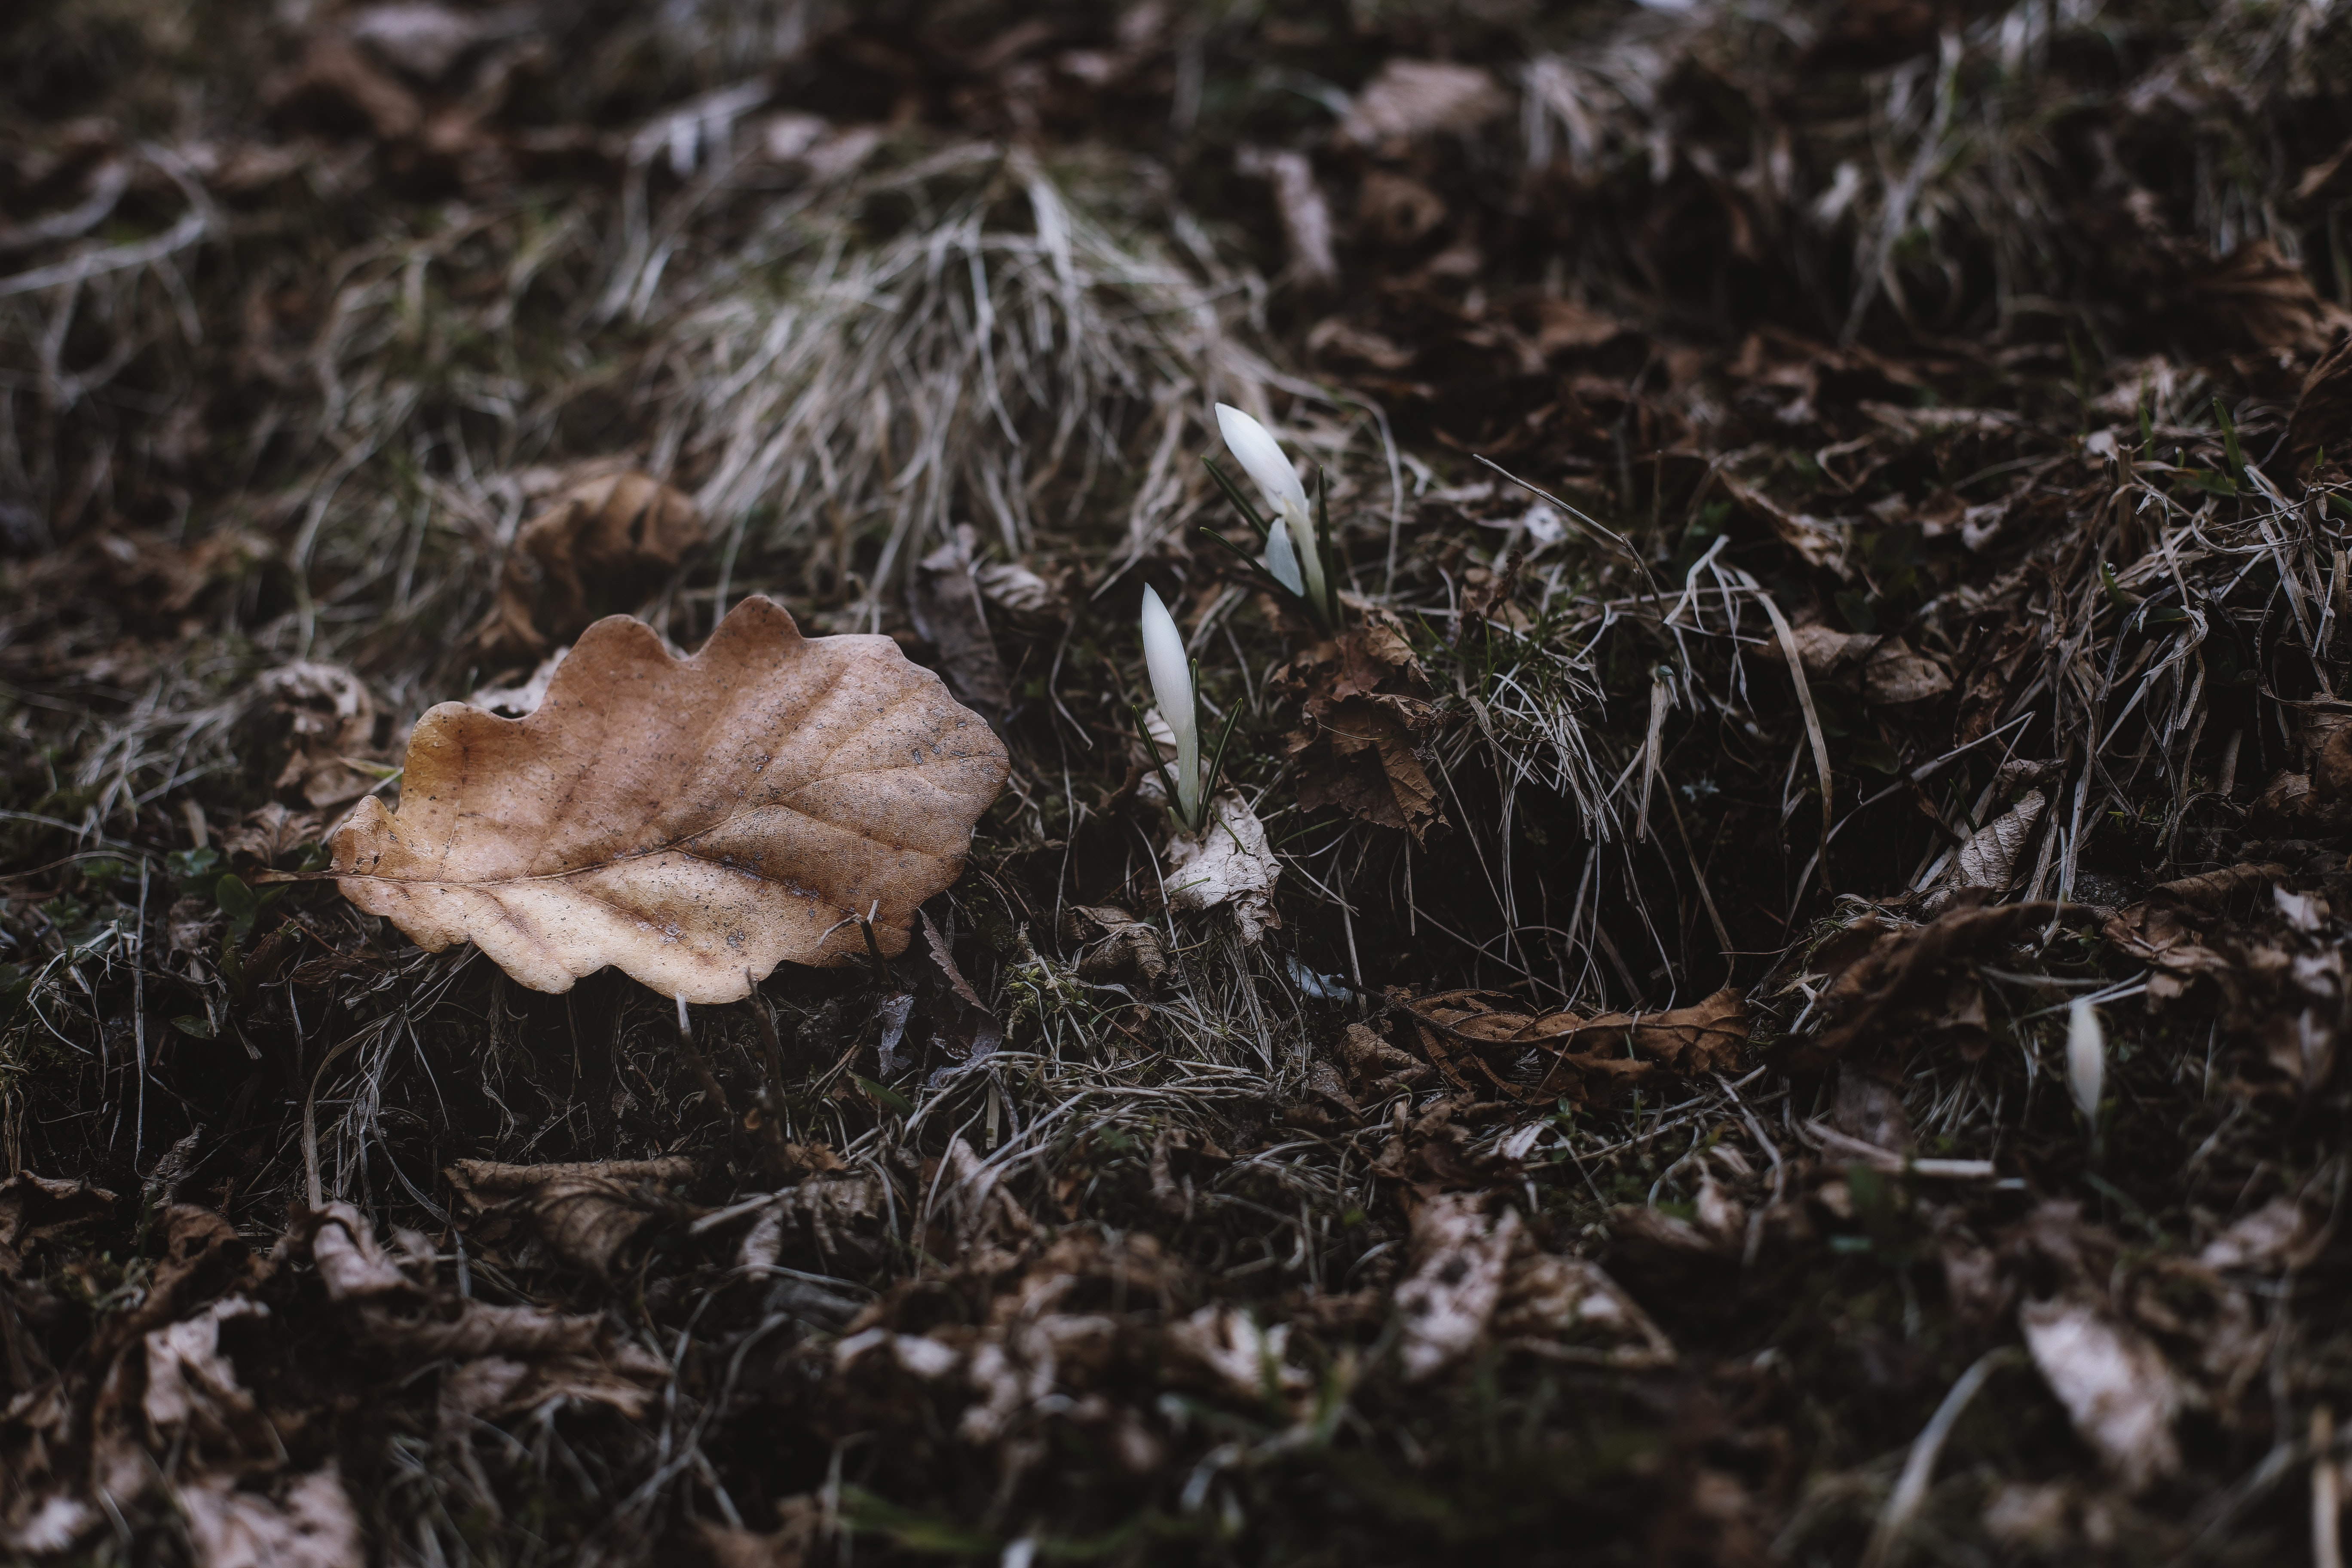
[{"x": 1777, "y": 993}]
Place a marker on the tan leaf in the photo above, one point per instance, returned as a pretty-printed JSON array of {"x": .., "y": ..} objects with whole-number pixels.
[
  {"x": 1989, "y": 859},
  {"x": 1364, "y": 696},
  {"x": 1893, "y": 973},
  {"x": 189, "y": 1380},
  {"x": 1827, "y": 654},
  {"x": 694, "y": 822},
  {"x": 617, "y": 534},
  {"x": 1114, "y": 945},
  {"x": 1818, "y": 544},
  {"x": 269, "y": 833}
]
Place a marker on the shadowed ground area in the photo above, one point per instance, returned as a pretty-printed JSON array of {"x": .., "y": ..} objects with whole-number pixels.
[{"x": 1763, "y": 984}]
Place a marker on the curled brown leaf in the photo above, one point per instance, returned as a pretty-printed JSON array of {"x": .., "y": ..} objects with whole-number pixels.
[
  {"x": 607, "y": 536},
  {"x": 586, "y": 1212}
]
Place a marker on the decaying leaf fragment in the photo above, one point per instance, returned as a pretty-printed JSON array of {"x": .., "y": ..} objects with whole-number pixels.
[
  {"x": 694, "y": 822},
  {"x": 310, "y": 1526},
  {"x": 2117, "y": 1387},
  {"x": 1886, "y": 670},
  {"x": 1228, "y": 863},
  {"x": 1113, "y": 944},
  {"x": 586, "y": 1212},
  {"x": 1412, "y": 98},
  {"x": 501, "y": 1359},
  {"x": 1484, "y": 1041},
  {"x": 1459, "y": 1264},
  {"x": 945, "y": 601},
  {"x": 327, "y": 721},
  {"x": 34, "y": 1208},
  {"x": 1568, "y": 1309},
  {"x": 1366, "y": 701},
  {"x": 613, "y": 534},
  {"x": 2286, "y": 987},
  {"x": 1896, "y": 983}
]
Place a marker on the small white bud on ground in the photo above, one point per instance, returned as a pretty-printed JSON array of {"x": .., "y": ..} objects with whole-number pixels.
[
  {"x": 1172, "y": 691},
  {"x": 2086, "y": 1058}
]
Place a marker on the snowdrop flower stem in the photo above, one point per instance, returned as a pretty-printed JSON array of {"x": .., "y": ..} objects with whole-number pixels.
[
  {"x": 1295, "y": 557},
  {"x": 1175, "y": 692}
]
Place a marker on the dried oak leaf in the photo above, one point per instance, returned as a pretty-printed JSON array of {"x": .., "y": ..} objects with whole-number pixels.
[
  {"x": 694, "y": 822},
  {"x": 1366, "y": 703},
  {"x": 613, "y": 536}
]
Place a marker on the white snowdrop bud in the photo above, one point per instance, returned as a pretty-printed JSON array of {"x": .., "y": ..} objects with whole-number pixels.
[
  {"x": 1171, "y": 692},
  {"x": 2086, "y": 1058},
  {"x": 1261, "y": 456}
]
